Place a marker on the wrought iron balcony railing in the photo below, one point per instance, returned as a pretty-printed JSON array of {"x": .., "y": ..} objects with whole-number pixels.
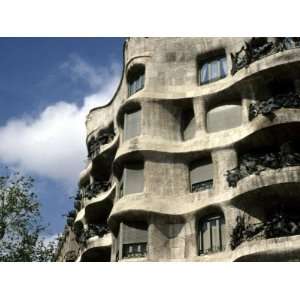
[
  {"x": 95, "y": 144},
  {"x": 93, "y": 230},
  {"x": 266, "y": 108},
  {"x": 255, "y": 163},
  {"x": 260, "y": 47},
  {"x": 279, "y": 225},
  {"x": 92, "y": 190}
]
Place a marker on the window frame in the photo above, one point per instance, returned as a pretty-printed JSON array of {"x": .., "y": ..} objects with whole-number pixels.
[
  {"x": 136, "y": 79},
  {"x": 200, "y": 232},
  {"x": 210, "y": 62}
]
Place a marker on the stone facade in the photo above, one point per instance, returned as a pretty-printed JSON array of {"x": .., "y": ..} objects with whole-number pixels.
[{"x": 167, "y": 178}]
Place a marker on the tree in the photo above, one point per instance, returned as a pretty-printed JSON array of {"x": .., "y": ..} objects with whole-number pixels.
[{"x": 21, "y": 228}]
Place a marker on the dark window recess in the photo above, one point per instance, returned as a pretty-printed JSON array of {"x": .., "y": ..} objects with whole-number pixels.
[
  {"x": 187, "y": 124},
  {"x": 201, "y": 175},
  {"x": 212, "y": 70},
  {"x": 211, "y": 235},
  {"x": 136, "y": 79}
]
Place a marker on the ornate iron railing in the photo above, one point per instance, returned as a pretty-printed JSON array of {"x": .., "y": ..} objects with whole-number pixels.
[
  {"x": 266, "y": 108},
  {"x": 260, "y": 47},
  {"x": 95, "y": 144},
  {"x": 93, "y": 230},
  {"x": 92, "y": 190},
  {"x": 279, "y": 225},
  {"x": 201, "y": 186},
  {"x": 255, "y": 163}
]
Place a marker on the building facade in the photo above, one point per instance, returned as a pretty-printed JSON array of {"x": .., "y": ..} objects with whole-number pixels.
[{"x": 196, "y": 157}]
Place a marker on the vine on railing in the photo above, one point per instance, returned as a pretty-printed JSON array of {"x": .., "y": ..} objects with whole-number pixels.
[
  {"x": 259, "y": 47},
  {"x": 255, "y": 163},
  {"x": 279, "y": 225},
  {"x": 92, "y": 190},
  {"x": 91, "y": 231},
  {"x": 95, "y": 144},
  {"x": 266, "y": 108}
]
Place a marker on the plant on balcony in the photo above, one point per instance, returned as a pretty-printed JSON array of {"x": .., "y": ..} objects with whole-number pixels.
[
  {"x": 278, "y": 225},
  {"x": 255, "y": 163},
  {"x": 266, "y": 108}
]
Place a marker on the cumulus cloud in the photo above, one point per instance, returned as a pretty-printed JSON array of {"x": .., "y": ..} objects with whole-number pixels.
[{"x": 53, "y": 143}]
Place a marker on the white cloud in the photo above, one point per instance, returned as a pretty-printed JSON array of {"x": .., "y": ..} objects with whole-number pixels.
[
  {"x": 79, "y": 69},
  {"x": 53, "y": 144}
]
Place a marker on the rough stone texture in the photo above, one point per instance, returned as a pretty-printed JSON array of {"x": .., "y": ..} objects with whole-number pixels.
[{"x": 166, "y": 203}]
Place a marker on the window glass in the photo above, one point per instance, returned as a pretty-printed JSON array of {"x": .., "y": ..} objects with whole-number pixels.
[
  {"x": 223, "y": 67},
  {"x": 213, "y": 70},
  {"x": 135, "y": 80},
  {"x": 211, "y": 235},
  {"x": 204, "y": 74}
]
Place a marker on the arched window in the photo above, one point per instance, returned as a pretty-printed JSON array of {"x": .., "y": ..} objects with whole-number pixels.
[
  {"x": 211, "y": 234},
  {"x": 135, "y": 79}
]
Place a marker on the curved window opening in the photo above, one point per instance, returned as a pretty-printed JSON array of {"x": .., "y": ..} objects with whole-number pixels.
[
  {"x": 211, "y": 234},
  {"x": 201, "y": 175},
  {"x": 224, "y": 117},
  {"x": 135, "y": 79},
  {"x": 212, "y": 69}
]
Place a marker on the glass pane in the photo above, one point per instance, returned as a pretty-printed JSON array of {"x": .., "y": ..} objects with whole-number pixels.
[
  {"x": 206, "y": 237},
  {"x": 222, "y": 233},
  {"x": 223, "y": 67},
  {"x": 214, "y": 70},
  {"x": 142, "y": 80},
  {"x": 215, "y": 235},
  {"x": 204, "y": 74}
]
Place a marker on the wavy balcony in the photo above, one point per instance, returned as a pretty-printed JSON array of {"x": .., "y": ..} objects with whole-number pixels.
[
  {"x": 258, "y": 48},
  {"x": 97, "y": 248},
  {"x": 99, "y": 205}
]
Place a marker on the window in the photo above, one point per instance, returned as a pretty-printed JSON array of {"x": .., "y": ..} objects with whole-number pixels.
[
  {"x": 224, "y": 117},
  {"x": 132, "y": 124},
  {"x": 201, "y": 175},
  {"x": 211, "y": 234},
  {"x": 135, "y": 79},
  {"x": 212, "y": 70},
  {"x": 132, "y": 180},
  {"x": 134, "y": 239}
]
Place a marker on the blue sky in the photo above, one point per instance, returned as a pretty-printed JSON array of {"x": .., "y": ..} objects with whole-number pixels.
[{"x": 47, "y": 86}]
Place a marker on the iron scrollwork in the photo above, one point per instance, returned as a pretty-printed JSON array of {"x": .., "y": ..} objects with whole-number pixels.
[
  {"x": 259, "y": 47},
  {"x": 255, "y": 163}
]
